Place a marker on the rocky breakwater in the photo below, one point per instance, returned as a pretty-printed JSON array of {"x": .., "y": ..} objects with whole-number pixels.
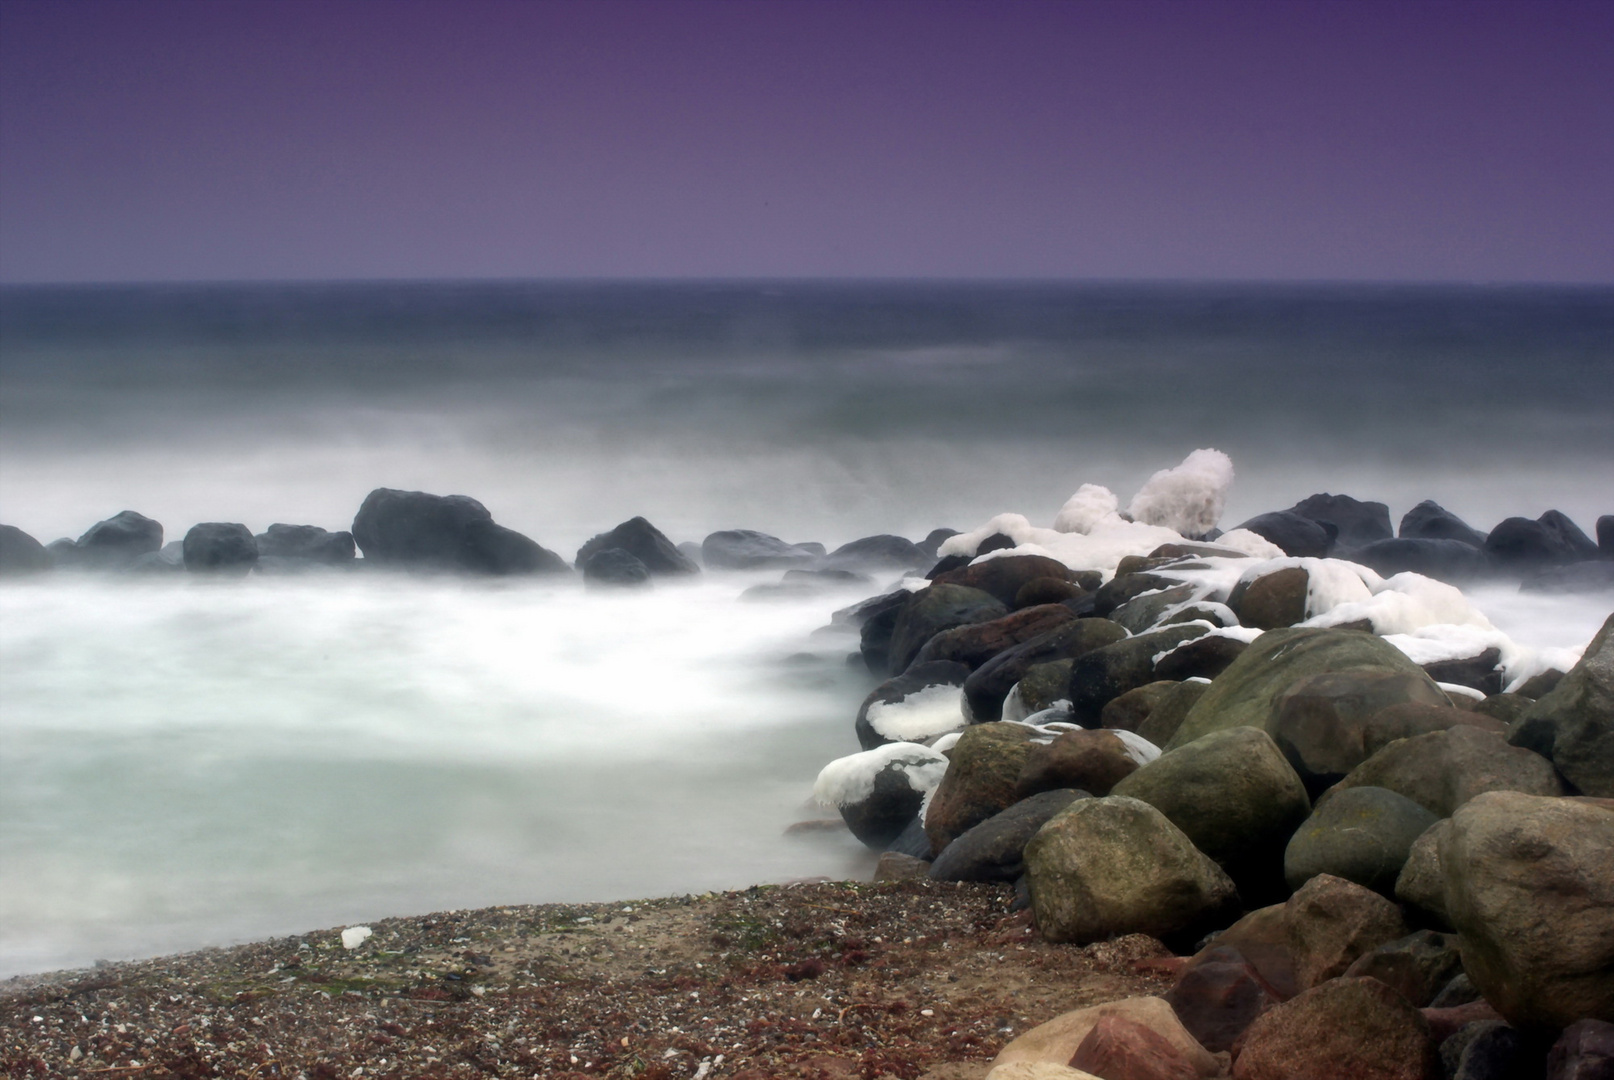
[{"x": 1377, "y": 833}]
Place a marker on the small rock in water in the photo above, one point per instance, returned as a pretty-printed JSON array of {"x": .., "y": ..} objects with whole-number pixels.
[{"x": 354, "y": 936}]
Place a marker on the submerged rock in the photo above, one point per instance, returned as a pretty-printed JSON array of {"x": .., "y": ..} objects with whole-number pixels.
[
  {"x": 1355, "y": 523},
  {"x": 217, "y": 547},
  {"x": 649, "y": 545},
  {"x": 420, "y": 531},
  {"x": 306, "y": 542},
  {"x": 1294, "y": 535},
  {"x": 1431, "y": 521},
  {"x": 115, "y": 543},
  {"x": 746, "y": 549},
  {"x": 21, "y": 554}
]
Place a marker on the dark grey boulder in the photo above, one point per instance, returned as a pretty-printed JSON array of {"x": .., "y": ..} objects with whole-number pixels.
[
  {"x": 644, "y": 542},
  {"x": 415, "y": 530},
  {"x": 896, "y": 690},
  {"x": 306, "y": 542},
  {"x": 1573, "y": 725},
  {"x": 1442, "y": 770},
  {"x": 1519, "y": 545},
  {"x": 1361, "y": 834},
  {"x": 989, "y": 685},
  {"x": 934, "y": 540},
  {"x": 1100, "y": 675},
  {"x": 217, "y": 547},
  {"x": 930, "y": 611},
  {"x": 891, "y": 805},
  {"x": 884, "y": 552},
  {"x": 1293, "y": 534},
  {"x": 746, "y": 549},
  {"x": 169, "y": 559},
  {"x": 1323, "y": 723},
  {"x": 994, "y": 850},
  {"x": 1431, "y": 521},
  {"x": 876, "y": 620},
  {"x": 21, "y": 554},
  {"x": 116, "y": 542},
  {"x": 614, "y": 567},
  {"x": 975, "y": 643},
  {"x": 1006, "y": 575},
  {"x": 1442, "y": 559},
  {"x": 1587, "y": 576},
  {"x": 1491, "y": 1050},
  {"x": 1585, "y": 1051},
  {"x": 1355, "y": 522},
  {"x": 1605, "y": 536}
]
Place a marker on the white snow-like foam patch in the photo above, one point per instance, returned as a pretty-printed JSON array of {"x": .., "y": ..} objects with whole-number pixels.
[
  {"x": 850, "y": 779},
  {"x": 1100, "y": 550},
  {"x": 1461, "y": 691},
  {"x": 1245, "y": 634},
  {"x": 1187, "y": 499},
  {"x": 1090, "y": 507},
  {"x": 1138, "y": 748},
  {"x": 354, "y": 936},
  {"x": 941, "y": 745},
  {"x": 1399, "y": 605},
  {"x": 1252, "y": 544},
  {"x": 923, "y": 714},
  {"x": 1534, "y": 662}
]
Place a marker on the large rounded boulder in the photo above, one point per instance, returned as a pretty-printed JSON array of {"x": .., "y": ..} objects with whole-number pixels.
[
  {"x": 419, "y": 531},
  {"x": 931, "y": 610},
  {"x": 1361, "y": 834},
  {"x": 1233, "y": 794},
  {"x": 922, "y": 703},
  {"x": 1294, "y": 535},
  {"x": 879, "y": 792},
  {"x": 1355, "y": 522},
  {"x": 1247, "y": 693},
  {"x": 1101, "y": 675},
  {"x": 747, "y": 549},
  {"x": 1431, "y": 521},
  {"x": 1325, "y": 723},
  {"x": 981, "y": 781},
  {"x": 1445, "y": 769},
  {"x": 117, "y": 542},
  {"x": 306, "y": 544},
  {"x": 1006, "y": 575},
  {"x": 977, "y": 643},
  {"x": 227, "y": 549},
  {"x": 1530, "y": 887},
  {"x": 1573, "y": 725},
  {"x": 1357, "y": 1028},
  {"x": 21, "y": 554},
  {"x": 989, "y": 685},
  {"x": 1111, "y": 866},
  {"x": 994, "y": 850}
]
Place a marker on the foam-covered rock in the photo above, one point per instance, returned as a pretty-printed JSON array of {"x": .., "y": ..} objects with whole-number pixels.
[
  {"x": 994, "y": 850},
  {"x": 980, "y": 782},
  {"x": 1530, "y": 887},
  {"x": 1234, "y": 796},
  {"x": 1445, "y": 769},
  {"x": 1272, "y": 601},
  {"x": 1111, "y": 866},
  {"x": 1573, "y": 725},
  {"x": 1149, "y": 609},
  {"x": 879, "y": 792},
  {"x": 922, "y": 703},
  {"x": 1204, "y": 657},
  {"x": 1357, "y": 1028}
]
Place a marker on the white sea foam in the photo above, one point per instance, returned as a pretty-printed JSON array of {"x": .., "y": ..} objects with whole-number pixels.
[
  {"x": 850, "y": 779},
  {"x": 923, "y": 714},
  {"x": 1188, "y": 499}
]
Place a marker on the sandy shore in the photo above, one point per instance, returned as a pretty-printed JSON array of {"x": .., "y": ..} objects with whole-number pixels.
[{"x": 824, "y": 980}]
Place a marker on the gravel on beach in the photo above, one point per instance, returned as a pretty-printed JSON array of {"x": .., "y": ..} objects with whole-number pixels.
[{"x": 811, "y": 981}]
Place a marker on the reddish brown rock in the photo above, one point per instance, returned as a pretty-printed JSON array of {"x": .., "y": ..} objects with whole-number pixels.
[
  {"x": 1356, "y": 1028},
  {"x": 1444, "y": 1023},
  {"x": 1585, "y": 1051},
  {"x": 1004, "y": 576},
  {"x": 976, "y": 643},
  {"x": 1122, "y": 1049},
  {"x": 1218, "y": 999},
  {"x": 1272, "y": 601},
  {"x": 1091, "y": 761}
]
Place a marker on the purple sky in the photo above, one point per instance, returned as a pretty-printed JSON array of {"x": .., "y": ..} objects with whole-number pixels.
[{"x": 170, "y": 139}]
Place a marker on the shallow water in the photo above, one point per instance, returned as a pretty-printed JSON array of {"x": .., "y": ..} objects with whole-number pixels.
[{"x": 183, "y": 764}]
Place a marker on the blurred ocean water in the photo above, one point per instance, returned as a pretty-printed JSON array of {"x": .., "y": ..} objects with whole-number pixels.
[{"x": 186, "y": 763}]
